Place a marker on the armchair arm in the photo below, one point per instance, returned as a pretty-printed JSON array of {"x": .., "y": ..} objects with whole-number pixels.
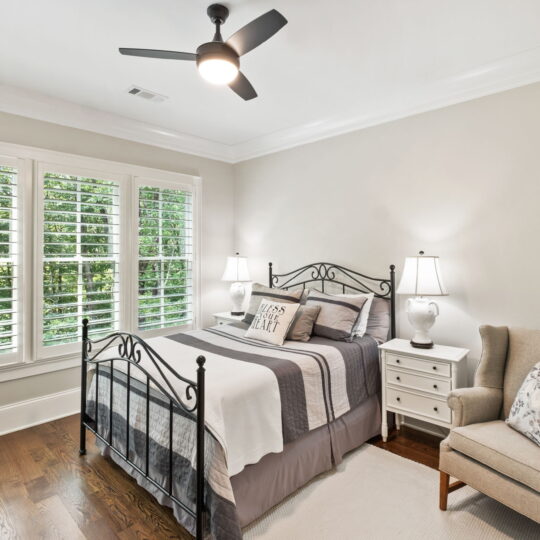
[{"x": 473, "y": 405}]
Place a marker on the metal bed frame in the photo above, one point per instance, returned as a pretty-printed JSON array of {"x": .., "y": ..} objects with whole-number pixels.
[
  {"x": 348, "y": 279},
  {"x": 130, "y": 350},
  {"x": 131, "y": 347}
]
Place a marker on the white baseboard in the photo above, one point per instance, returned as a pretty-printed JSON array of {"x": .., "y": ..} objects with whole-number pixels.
[{"x": 31, "y": 412}]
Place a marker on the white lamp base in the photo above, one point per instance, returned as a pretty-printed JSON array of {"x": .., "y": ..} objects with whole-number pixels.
[
  {"x": 238, "y": 294},
  {"x": 422, "y": 314}
]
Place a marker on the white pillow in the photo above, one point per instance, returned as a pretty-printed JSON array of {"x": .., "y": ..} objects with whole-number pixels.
[
  {"x": 525, "y": 412},
  {"x": 272, "y": 321},
  {"x": 361, "y": 325}
]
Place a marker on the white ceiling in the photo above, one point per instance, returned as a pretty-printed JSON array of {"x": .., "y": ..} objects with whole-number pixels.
[{"x": 337, "y": 64}]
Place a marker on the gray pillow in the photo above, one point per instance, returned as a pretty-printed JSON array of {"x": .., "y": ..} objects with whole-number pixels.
[
  {"x": 302, "y": 325},
  {"x": 338, "y": 315},
  {"x": 258, "y": 292},
  {"x": 378, "y": 324}
]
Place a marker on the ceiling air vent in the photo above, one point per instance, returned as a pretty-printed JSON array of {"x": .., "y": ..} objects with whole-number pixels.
[{"x": 148, "y": 95}]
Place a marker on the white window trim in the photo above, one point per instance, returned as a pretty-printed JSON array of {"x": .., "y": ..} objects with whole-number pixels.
[
  {"x": 44, "y": 353},
  {"x": 147, "y": 181},
  {"x": 32, "y": 358}
]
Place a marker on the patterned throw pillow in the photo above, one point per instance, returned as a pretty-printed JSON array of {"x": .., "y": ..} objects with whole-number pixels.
[
  {"x": 338, "y": 316},
  {"x": 272, "y": 321},
  {"x": 525, "y": 412},
  {"x": 302, "y": 325},
  {"x": 258, "y": 292}
]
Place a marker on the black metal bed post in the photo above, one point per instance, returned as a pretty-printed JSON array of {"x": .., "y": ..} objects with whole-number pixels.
[
  {"x": 393, "y": 301},
  {"x": 270, "y": 277},
  {"x": 82, "y": 444},
  {"x": 200, "y": 448}
]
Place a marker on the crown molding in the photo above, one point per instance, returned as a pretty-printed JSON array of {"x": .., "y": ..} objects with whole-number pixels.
[
  {"x": 57, "y": 111},
  {"x": 503, "y": 74}
]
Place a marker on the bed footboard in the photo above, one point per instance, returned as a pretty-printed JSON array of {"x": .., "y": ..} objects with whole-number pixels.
[{"x": 129, "y": 350}]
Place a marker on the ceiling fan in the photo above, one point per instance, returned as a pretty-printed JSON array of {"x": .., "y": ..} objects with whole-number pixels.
[{"x": 219, "y": 61}]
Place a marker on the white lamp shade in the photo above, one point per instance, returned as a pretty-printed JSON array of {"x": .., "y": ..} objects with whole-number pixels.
[
  {"x": 422, "y": 277},
  {"x": 236, "y": 269}
]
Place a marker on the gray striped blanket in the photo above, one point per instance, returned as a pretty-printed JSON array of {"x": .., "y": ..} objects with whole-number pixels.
[{"x": 289, "y": 390}]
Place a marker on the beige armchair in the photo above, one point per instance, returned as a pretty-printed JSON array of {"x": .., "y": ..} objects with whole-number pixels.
[{"x": 481, "y": 449}]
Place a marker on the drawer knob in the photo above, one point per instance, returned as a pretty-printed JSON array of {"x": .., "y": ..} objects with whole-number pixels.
[
  {"x": 435, "y": 386},
  {"x": 397, "y": 361},
  {"x": 398, "y": 398},
  {"x": 398, "y": 378},
  {"x": 435, "y": 409},
  {"x": 435, "y": 368}
]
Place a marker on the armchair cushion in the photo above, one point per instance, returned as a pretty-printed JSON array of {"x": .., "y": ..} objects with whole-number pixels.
[
  {"x": 473, "y": 405},
  {"x": 498, "y": 446}
]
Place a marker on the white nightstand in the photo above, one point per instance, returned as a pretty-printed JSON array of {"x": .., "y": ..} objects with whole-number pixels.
[
  {"x": 227, "y": 318},
  {"x": 416, "y": 382}
]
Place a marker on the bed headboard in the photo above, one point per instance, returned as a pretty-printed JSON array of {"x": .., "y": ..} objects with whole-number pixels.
[{"x": 349, "y": 280}]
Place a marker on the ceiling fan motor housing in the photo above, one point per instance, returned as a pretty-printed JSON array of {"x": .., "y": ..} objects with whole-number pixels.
[
  {"x": 217, "y": 13},
  {"x": 217, "y": 50}
]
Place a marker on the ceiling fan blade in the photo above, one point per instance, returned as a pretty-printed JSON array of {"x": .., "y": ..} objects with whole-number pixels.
[
  {"x": 257, "y": 32},
  {"x": 243, "y": 87},
  {"x": 153, "y": 53}
]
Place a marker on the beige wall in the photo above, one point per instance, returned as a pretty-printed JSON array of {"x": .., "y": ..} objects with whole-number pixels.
[
  {"x": 217, "y": 216},
  {"x": 461, "y": 182}
]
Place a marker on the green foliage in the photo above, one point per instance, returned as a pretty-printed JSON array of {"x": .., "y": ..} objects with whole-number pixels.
[
  {"x": 165, "y": 249},
  {"x": 8, "y": 269}
]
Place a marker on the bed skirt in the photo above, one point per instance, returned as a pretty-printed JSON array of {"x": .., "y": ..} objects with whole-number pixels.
[{"x": 261, "y": 486}]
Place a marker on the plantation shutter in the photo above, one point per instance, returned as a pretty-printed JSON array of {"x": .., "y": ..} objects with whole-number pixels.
[
  {"x": 9, "y": 261},
  {"x": 165, "y": 252},
  {"x": 80, "y": 257}
]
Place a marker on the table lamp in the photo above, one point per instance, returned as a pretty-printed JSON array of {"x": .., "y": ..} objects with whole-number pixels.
[
  {"x": 422, "y": 277},
  {"x": 236, "y": 270}
]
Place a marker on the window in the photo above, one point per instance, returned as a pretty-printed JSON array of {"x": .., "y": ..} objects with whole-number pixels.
[
  {"x": 88, "y": 238},
  {"x": 81, "y": 249},
  {"x": 165, "y": 257},
  {"x": 9, "y": 262}
]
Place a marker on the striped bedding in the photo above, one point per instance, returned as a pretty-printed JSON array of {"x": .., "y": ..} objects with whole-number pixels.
[{"x": 258, "y": 397}]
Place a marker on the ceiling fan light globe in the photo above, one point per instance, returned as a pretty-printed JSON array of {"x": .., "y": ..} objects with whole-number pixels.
[{"x": 218, "y": 71}]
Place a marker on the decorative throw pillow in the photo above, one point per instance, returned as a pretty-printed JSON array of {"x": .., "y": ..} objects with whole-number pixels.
[
  {"x": 302, "y": 325},
  {"x": 258, "y": 292},
  {"x": 525, "y": 412},
  {"x": 338, "y": 316},
  {"x": 272, "y": 321},
  {"x": 361, "y": 325}
]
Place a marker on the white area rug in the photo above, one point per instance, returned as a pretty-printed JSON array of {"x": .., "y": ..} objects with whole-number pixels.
[{"x": 375, "y": 495}]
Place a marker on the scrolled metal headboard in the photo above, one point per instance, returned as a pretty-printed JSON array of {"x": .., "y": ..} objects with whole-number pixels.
[{"x": 322, "y": 273}]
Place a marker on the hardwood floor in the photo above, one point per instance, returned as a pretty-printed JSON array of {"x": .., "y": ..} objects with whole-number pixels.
[
  {"x": 412, "y": 444},
  {"x": 48, "y": 492}
]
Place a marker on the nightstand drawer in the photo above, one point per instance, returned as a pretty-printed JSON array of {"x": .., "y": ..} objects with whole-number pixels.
[
  {"x": 418, "y": 382},
  {"x": 427, "y": 366},
  {"x": 422, "y": 405}
]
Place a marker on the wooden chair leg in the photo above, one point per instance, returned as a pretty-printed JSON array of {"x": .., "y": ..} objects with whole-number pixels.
[
  {"x": 445, "y": 487},
  {"x": 443, "y": 490}
]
